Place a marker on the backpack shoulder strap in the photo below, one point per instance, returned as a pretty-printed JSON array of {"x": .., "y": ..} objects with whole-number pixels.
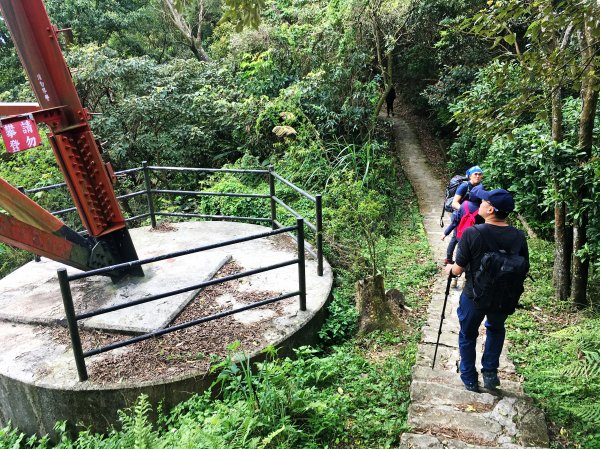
[{"x": 492, "y": 244}]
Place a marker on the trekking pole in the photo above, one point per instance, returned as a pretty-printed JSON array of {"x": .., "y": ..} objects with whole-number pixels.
[{"x": 437, "y": 343}]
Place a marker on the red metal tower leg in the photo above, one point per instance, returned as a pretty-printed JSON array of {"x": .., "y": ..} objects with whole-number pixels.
[{"x": 76, "y": 150}]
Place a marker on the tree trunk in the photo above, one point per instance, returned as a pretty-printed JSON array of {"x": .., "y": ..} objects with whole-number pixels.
[
  {"x": 581, "y": 267},
  {"x": 562, "y": 253},
  {"x": 199, "y": 53},
  {"x": 384, "y": 62},
  {"x": 562, "y": 233},
  {"x": 589, "y": 97},
  {"x": 375, "y": 312}
]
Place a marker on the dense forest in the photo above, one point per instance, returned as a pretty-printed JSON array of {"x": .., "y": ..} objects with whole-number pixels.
[{"x": 509, "y": 85}]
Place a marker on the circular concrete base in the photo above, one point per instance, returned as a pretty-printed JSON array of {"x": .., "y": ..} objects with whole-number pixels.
[{"x": 38, "y": 378}]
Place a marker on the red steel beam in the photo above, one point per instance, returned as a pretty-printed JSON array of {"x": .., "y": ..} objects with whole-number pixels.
[
  {"x": 43, "y": 243},
  {"x": 17, "y": 108},
  {"x": 32, "y": 228},
  {"x": 21, "y": 207},
  {"x": 75, "y": 148}
]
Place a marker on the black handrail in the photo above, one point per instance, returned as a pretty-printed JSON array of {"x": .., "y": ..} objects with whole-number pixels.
[
  {"x": 185, "y": 252},
  {"x": 73, "y": 318},
  {"x": 151, "y": 194}
]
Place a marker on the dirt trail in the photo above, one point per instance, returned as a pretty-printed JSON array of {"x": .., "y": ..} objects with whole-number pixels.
[{"x": 442, "y": 413}]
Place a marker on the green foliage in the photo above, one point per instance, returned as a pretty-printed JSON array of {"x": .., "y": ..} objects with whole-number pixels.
[
  {"x": 493, "y": 105},
  {"x": 424, "y": 55},
  {"x": 130, "y": 27},
  {"x": 313, "y": 401},
  {"x": 451, "y": 84},
  {"x": 557, "y": 352},
  {"x": 243, "y": 13},
  {"x": 181, "y": 113},
  {"x": 11, "y": 258}
]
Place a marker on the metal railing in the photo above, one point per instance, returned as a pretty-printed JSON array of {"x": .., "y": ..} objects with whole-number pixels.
[
  {"x": 275, "y": 201},
  {"x": 73, "y": 318},
  {"x": 151, "y": 194}
]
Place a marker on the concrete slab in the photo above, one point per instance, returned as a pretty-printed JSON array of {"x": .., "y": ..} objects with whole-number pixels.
[
  {"x": 41, "y": 303},
  {"x": 38, "y": 377}
]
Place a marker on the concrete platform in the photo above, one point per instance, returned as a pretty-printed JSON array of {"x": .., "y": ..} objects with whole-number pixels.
[{"x": 38, "y": 378}]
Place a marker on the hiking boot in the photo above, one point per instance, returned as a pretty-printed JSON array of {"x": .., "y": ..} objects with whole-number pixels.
[
  {"x": 448, "y": 261},
  {"x": 490, "y": 380},
  {"x": 472, "y": 387}
]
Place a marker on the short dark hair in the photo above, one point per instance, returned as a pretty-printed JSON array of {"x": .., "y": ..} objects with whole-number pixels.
[{"x": 501, "y": 214}]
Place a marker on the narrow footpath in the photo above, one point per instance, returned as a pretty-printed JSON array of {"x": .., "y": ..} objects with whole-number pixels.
[{"x": 443, "y": 414}]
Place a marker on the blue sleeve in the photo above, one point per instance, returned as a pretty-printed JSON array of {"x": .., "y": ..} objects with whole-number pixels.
[
  {"x": 462, "y": 189},
  {"x": 456, "y": 216}
]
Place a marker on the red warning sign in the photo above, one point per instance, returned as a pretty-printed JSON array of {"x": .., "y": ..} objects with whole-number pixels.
[{"x": 20, "y": 135}]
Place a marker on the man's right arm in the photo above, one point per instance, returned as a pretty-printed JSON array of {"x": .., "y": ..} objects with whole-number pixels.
[{"x": 524, "y": 251}]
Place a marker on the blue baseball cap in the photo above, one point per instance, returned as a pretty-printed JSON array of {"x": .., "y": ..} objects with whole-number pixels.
[
  {"x": 501, "y": 199},
  {"x": 474, "y": 169},
  {"x": 475, "y": 193}
]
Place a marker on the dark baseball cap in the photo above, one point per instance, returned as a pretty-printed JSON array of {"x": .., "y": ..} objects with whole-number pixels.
[
  {"x": 501, "y": 199},
  {"x": 474, "y": 194}
]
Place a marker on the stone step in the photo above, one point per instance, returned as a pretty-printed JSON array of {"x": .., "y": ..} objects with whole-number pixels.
[
  {"x": 437, "y": 418},
  {"x": 433, "y": 393},
  {"x": 451, "y": 377},
  {"x": 425, "y": 441}
]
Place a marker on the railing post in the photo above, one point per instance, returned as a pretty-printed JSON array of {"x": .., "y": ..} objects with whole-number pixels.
[
  {"x": 272, "y": 193},
  {"x": 301, "y": 261},
  {"x": 319, "y": 215},
  {"x": 65, "y": 290},
  {"x": 149, "y": 193}
]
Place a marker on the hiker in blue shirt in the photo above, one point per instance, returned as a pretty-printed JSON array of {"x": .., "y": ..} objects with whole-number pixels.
[
  {"x": 472, "y": 206},
  {"x": 475, "y": 175}
]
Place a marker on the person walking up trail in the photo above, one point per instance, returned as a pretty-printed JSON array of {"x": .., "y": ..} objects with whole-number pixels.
[
  {"x": 442, "y": 413},
  {"x": 474, "y": 178},
  {"x": 475, "y": 175},
  {"x": 389, "y": 101},
  {"x": 495, "y": 207}
]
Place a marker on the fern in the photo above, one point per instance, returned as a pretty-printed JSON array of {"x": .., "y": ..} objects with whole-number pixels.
[
  {"x": 589, "y": 413},
  {"x": 267, "y": 440},
  {"x": 588, "y": 368},
  {"x": 142, "y": 429},
  {"x": 592, "y": 360},
  {"x": 137, "y": 430}
]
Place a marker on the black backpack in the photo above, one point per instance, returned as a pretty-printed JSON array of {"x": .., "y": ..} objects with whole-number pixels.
[
  {"x": 451, "y": 188},
  {"x": 498, "y": 283}
]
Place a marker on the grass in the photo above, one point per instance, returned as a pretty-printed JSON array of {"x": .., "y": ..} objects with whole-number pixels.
[{"x": 12, "y": 258}]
